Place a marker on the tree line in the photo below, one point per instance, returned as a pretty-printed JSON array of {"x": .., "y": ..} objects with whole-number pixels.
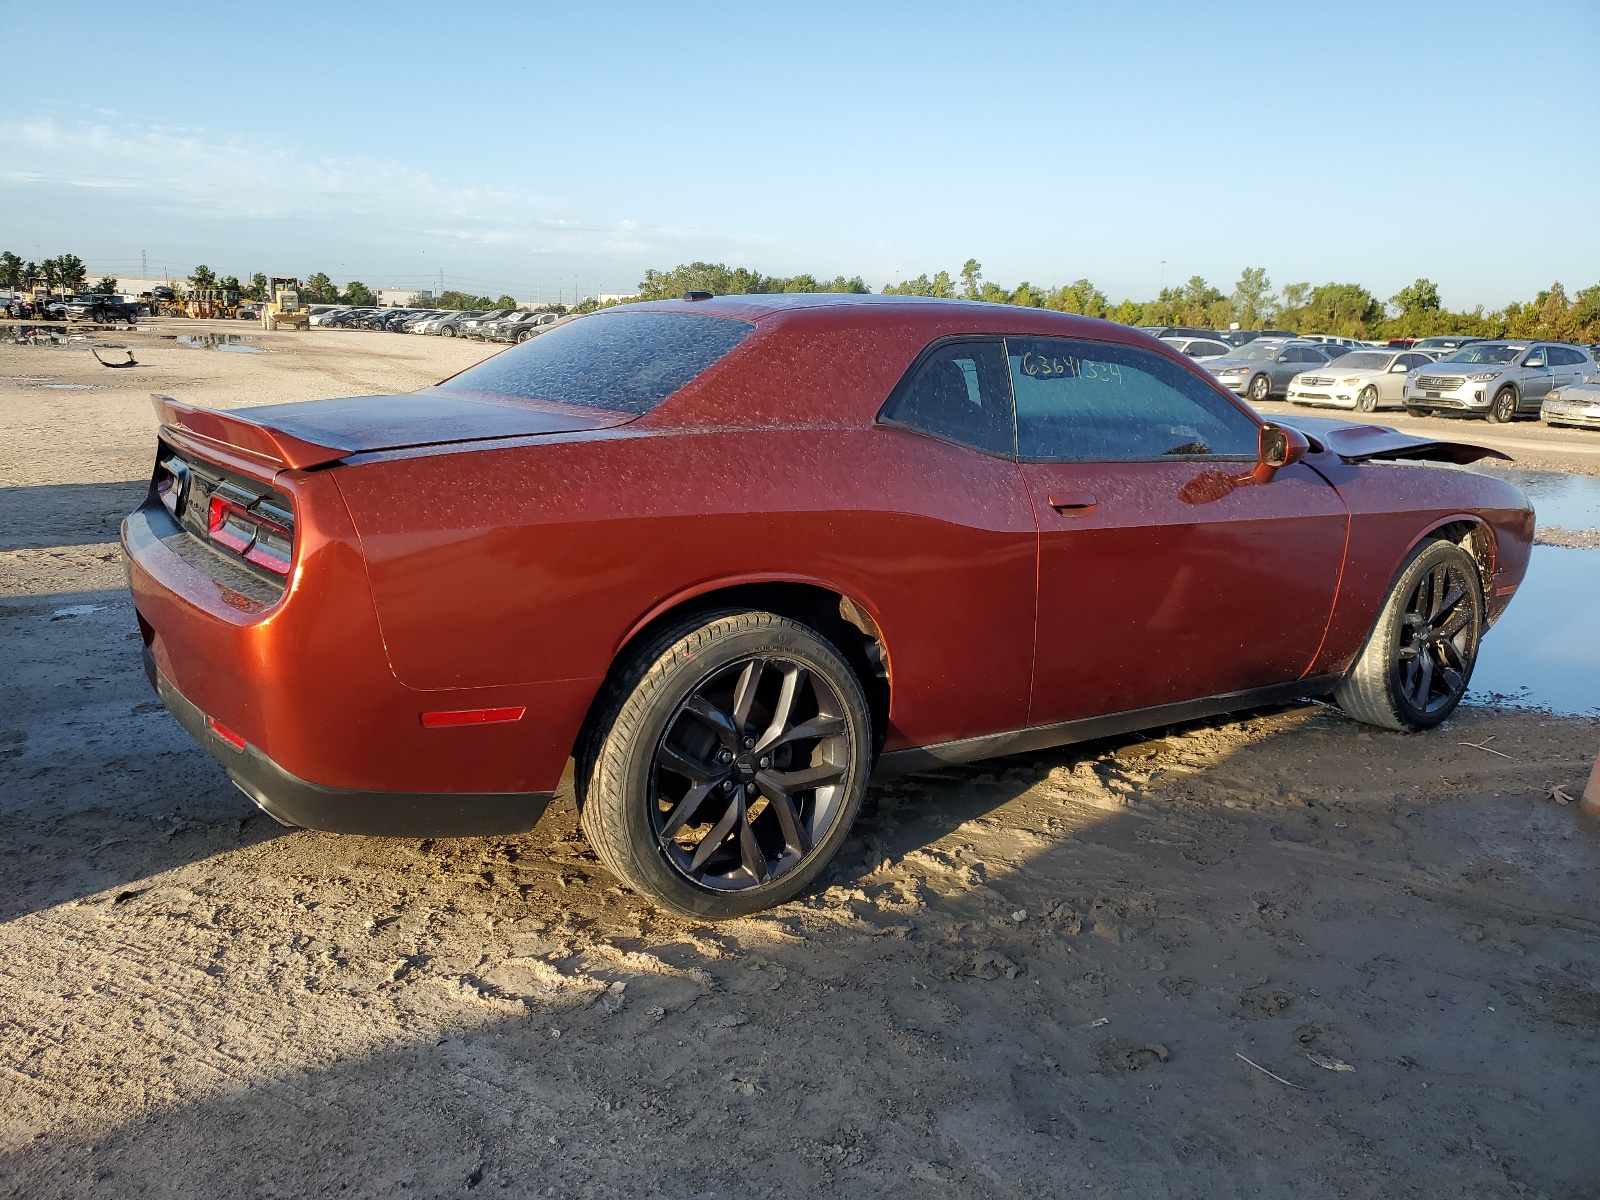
[
  {"x": 65, "y": 272},
  {"x": 1341, "y": 309}
]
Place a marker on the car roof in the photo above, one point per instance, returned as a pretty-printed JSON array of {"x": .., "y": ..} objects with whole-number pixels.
[{"x": 791, "y": 369}]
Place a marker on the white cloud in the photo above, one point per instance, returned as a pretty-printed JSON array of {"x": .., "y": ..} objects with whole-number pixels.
[{"x": 213, "y": 194}]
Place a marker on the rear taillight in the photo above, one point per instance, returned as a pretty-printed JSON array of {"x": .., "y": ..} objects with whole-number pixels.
[
  {"x": 172, "y": 485},
  {"x": 259, "y": 532},
  {"x": 240, "y": 517}
]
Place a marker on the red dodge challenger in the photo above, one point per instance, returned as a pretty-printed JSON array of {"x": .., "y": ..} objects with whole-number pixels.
[{"x": 733, "y": 556}]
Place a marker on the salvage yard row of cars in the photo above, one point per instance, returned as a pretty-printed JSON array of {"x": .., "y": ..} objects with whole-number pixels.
[
  {"x": 499, "y": 325},
  {"x": 1496, "y": 379}
]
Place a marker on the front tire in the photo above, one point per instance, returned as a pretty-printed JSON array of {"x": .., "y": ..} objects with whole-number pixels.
[
  {"x": 1503, "y": 410},
  {"x": 1418, "y": 659},
  {"x": 1367, "y": 401},
  {"x": 728, "y": 760},
  {"x": 1260, "y": 388}
]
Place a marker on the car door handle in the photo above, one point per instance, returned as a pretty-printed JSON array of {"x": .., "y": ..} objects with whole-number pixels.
[{"x": 1075, "y": 503}]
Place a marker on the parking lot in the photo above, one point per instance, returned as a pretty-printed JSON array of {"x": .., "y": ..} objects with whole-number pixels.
[{"x": 1282, "y": 953}]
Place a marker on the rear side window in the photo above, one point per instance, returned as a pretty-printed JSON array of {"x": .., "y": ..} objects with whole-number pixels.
[
  {"x": 958, "y": 391},
  {"x": 1099, "y": 402},
  {"x": 625, "y": 362}
]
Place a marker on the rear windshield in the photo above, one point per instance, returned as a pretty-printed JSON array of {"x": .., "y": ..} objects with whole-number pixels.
[{"x": 626, "y": 362}]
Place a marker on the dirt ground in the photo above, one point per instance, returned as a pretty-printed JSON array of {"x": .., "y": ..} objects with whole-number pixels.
[{"x": 1279, "y": 955}]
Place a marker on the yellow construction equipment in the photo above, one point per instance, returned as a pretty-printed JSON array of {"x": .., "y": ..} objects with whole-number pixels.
[
  {"x": 283, "y": 309},
  {"x": 206, "y": 303}
]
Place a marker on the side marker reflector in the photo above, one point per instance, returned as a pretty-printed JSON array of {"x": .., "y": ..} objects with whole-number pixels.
[
  {"x": 226, "y": 734},
  {"x": 472, "y": 716}
]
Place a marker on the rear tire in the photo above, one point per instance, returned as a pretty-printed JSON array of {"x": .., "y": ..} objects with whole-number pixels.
[
  {"x": 1503, "y": 410},
  {"x": 693, "y": 778},
  {"x": 1418, "y": 660}
]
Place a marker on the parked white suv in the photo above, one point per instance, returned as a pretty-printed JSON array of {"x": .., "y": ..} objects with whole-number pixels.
[{"x": 1496, "y": 380}]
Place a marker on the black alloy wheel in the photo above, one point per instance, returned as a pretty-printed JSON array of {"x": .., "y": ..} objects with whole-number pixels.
[
  {"x": 1367, "y": 401},
  {"x": 725, "y": 763},
  {"x": 748, "y": 774},
  {"x": 1260, "y": 388},
  {"x": 1438, "y": 639},
  {"x": 1504, "y": 408},
  {"x": 1418, "y": 661}
]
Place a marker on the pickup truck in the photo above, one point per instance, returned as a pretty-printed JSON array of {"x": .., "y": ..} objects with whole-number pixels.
[{"x": 101, "y": 309}]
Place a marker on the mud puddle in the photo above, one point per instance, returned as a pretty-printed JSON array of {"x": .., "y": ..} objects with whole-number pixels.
[
  {"x": 31, "y": 335},
  {"x": 1570, "y": 502},
  {"x": 1545, "y": 651},
  {"x": 237, "y": 343}
]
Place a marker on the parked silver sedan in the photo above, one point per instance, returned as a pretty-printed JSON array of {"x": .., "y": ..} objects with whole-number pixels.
[
  {"x": 1576, "y": 404},
  {"x": 1365, "y": 380},
  {"x": 1264, "y": 367}
]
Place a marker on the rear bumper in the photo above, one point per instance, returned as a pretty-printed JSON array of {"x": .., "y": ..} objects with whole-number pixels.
[
  {"x": 293, "y": 801},
  {"x": 305, "y": 680}
]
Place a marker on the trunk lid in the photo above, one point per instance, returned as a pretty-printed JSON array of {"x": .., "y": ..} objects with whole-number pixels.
[{"x": 315, "y": 432}]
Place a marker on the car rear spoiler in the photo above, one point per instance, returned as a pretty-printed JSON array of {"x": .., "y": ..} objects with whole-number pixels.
[
  {"x": 1364, "y": 443},
  {"x": 240, "y": 434}
]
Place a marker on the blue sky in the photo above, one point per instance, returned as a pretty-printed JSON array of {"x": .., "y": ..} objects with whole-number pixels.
[{"x": 527, "y": 148}]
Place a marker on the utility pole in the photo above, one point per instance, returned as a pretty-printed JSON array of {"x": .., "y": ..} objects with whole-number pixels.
[{"x": 144, "y": 266}]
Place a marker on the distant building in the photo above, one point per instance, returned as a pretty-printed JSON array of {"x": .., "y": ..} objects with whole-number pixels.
[
  {"x": 401, "y": 297},
  {"x": 129, "y": 285},
  {"x": 617, "y": 297}
]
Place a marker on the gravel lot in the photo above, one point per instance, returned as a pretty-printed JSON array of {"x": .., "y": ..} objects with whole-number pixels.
[{"x": 1279, "y": 955}]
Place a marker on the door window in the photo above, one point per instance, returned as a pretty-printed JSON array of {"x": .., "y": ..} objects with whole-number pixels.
[
  {"x": 958, "y": 391},
  {"x": 1535, "y": 357},
  {"x": 1080, "y": 401}
]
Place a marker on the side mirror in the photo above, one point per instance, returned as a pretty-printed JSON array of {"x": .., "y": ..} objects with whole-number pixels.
[
  {"x": 1280, "y": 447},
  {"x": 1399, "y": 369}
]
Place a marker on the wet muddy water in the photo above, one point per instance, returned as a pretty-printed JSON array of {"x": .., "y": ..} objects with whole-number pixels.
[
  {"x": 1545, "y": 651},
  {"x": 238, "y": 343},
  {"x": 1570, "y": 501}
]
